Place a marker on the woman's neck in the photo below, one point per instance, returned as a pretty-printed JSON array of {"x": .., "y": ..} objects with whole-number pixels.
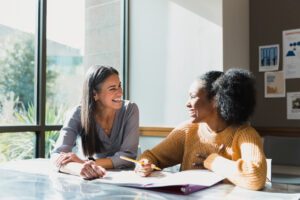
[
  {"x": 216, "y": 125},
  {"x": 105, "y": 113},
  {"x": 105, "y": 118}
]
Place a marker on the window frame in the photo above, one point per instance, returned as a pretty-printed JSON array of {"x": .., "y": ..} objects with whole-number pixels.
[{"x": 40, "y": 128}]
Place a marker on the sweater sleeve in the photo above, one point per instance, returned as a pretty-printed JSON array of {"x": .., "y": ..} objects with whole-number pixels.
[
  {"x": 169, "y": 152},
  {"x": 250, "y": 169},
  {"x": 69, "y": 132}
]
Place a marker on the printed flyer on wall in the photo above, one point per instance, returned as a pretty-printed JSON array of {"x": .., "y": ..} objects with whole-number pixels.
[
  {"x": 293, "y": 105},
  {"x": 268, "y": 58},
  {"x": 291, "y": 53},
  {"x": 274, "y": 84}
]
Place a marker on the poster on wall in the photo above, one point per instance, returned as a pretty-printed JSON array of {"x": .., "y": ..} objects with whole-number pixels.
[
  {"x": 291, "y": 53},
  {"x": 268, "y": 57},
  {"x": 293, "y": 105},
  {"x": 274, "y": 84}
]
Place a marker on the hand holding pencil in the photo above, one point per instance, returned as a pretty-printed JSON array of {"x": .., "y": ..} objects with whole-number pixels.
[{"x": 143, "y": 167}]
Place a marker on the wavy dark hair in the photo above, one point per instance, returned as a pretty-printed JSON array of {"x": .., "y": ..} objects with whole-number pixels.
[
  {"x": 94, "y": 77},
  {"x": 234, "y": 92}
]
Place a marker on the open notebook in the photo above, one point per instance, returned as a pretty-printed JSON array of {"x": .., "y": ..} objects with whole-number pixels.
[{"x": 184, "y": 182}]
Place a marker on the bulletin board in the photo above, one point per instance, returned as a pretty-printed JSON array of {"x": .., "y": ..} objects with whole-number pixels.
[{"x": 268, "y": 20}]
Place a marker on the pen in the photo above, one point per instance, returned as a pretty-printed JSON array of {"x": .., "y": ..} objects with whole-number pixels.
[{"x": 138, "y": 162}]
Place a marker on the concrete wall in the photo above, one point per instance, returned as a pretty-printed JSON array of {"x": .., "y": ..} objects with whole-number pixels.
[{"x": 103, "y": 33}]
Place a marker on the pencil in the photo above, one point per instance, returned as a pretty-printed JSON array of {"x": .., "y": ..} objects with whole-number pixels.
[{"x": 138, "y": 162}]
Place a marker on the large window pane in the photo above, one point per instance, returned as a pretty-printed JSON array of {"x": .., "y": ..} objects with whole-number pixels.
[
  {"x": 17, "y": 146},
  {"x": 89, "y": 34},
  {"x": 17, "y": 61}
]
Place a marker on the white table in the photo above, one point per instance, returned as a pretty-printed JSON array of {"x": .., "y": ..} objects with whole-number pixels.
[{"x": 35, "y": 179}]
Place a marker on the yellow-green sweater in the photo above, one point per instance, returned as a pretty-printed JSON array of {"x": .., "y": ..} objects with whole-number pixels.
[{"x": 242, "y": 160}]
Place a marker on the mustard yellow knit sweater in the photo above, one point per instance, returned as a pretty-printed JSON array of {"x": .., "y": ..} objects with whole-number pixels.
[{"x": 241, "y": 161}]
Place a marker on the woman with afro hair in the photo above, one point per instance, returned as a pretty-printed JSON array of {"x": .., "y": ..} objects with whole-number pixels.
[{"x": 218, "y": 136}]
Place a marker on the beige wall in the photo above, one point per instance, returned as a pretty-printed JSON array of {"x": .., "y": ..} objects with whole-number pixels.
[{"x": 236, "y": 34}]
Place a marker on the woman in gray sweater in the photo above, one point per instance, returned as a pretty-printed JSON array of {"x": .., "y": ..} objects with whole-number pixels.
[{"x": 107, "y": 126}]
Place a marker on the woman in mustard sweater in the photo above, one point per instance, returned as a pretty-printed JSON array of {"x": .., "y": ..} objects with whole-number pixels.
[{"x": 218, "y": 136}]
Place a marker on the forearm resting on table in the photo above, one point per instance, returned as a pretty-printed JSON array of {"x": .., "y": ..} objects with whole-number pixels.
[
  {"x": 69, "y": 168},
  {"x": 249, "y": 175},
  {"x": 75, "y": 168},
  {"x": 105, "y": 163}
]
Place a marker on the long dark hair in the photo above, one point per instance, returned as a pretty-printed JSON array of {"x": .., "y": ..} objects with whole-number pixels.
[{"x": 94, "y": 77}]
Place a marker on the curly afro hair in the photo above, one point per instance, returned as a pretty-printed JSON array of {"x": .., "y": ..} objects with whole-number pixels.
[
  {"x": 209, "y": 78},
  {"x": 235, "y": 95}
]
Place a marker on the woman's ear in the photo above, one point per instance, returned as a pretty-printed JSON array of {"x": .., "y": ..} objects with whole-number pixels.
[
  {"x": 213, "y": 102},
  {"x": 95, "y": 95}
]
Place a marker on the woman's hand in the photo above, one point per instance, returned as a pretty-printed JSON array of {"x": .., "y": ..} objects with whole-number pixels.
[
  {"x": 89, "y": 170},
  {"x": 144, "y": 169},
  {"x": 65, "y": 158}
]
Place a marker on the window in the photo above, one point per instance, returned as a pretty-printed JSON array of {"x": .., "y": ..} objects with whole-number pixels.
[
  {"x": 17, "y": 62},
  {"x": 89, "y": 34},
  {"x": 43, "y": 60}
]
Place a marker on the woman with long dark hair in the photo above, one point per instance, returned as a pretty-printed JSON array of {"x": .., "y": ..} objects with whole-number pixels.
[
  {"x": 107, "y": 125},
  {"x": 218, "y": 137}
]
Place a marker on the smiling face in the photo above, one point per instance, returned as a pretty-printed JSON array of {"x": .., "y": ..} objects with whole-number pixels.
[
  {"x": 200, "y": 107},
  {"x": 110, "y": 93}
]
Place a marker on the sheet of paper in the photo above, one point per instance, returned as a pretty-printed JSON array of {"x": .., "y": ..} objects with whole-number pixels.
[
  {"x": 291, "y": 53},
  {"x": 268, "y": 58},
  {"x": 132, "y": 179},
  {"x": 161, "y": 178},
  {"x": 274, "y": 84},
  {"x": 194, "y": 177},
  {"x": 293, "y": 105}
]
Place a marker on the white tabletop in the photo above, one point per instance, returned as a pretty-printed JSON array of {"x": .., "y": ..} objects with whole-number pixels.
[{"x": 35, "y": 179}]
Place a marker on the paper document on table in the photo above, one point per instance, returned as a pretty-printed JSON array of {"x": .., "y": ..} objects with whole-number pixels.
[
  {"x": 129, "y": 178},
  {"x": 192, "y": 177},
  {"x": 185, "y": 182}
]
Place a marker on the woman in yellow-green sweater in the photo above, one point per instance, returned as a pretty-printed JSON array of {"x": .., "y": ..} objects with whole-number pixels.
[{"x": 218, "y": 136}]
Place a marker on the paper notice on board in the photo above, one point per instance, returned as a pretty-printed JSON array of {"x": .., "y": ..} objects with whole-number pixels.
[
  {"x": 291, "y": 53},
  {"x": 293, "y": 105},
  {"x": 268, "y": 58},
  {"x": 274, "y": 84}
]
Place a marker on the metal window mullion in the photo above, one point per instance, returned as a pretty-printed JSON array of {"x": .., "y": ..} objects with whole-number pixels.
[
  {"x": 125, "y": 59},
  {"x": 41, "y": 78},
  {"x": 28, "y": 128},
  {"x": 25, "y": 128}
]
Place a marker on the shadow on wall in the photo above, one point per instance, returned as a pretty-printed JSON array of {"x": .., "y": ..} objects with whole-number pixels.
[{"x": 203, "y": 8}]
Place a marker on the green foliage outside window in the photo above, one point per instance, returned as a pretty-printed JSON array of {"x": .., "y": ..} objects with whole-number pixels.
[
  {"x": 18, "y": 72},
  {"x": 15, "y": 146},
  {"x": 17, "y": 82}
]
